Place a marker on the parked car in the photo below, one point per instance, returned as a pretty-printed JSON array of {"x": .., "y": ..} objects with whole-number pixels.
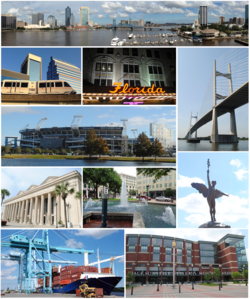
[
  {"x": 163, "y": 198},
  {"x": 145, "y": 197}
]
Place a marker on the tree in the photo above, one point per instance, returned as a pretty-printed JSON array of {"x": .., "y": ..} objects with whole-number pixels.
[
  {"x": 63, "y": 151},
  {"x": 4, "y": 192},
  {"x": 207, "y": 276},
  {"x": 235, "y": 275},
  {"x": 156, "y": 148},
  {"x": 132, "y": 192},
  {"x": 37, "y": 150},
  {"x": 156, "y": 172},
  {"x": 170, "y": 192},
  {"x": 216, "y": 274},
  {"x": 5, "y": 149},
  {"x": 63, "y": 191},
  {"x": 91, "y": 143},
  {"x": 102, "y": 147},
  {"x": 130, "y": 277},
  {"x": 114, "y": 182},
  {"x": 78, "y": 195},
  {"x": 143, "y": 146},
  {"x": 18, "y": 150},
  {"x": 245, "y": 274}
]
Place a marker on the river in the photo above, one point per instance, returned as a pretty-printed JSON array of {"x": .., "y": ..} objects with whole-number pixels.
[
  {"x": 83, "y": 163},
  {"x": 100, "y": 37},
  {"x": 205, "y": 145}
]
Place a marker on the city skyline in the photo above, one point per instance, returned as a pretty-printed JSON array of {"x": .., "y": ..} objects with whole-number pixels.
[{"x": 104, "y": 12}]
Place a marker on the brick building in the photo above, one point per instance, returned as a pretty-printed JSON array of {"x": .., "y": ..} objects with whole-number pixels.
[{"x": 150, "y": 258}]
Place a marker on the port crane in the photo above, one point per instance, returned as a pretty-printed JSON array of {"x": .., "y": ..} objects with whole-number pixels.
[{"x": 37, "y": 247}]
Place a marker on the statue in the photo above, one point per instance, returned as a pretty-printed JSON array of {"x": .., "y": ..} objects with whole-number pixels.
[{"x": 211, "y": 194}]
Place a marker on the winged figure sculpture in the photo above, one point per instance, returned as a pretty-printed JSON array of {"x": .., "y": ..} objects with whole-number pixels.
[{"x": 210, "y": 193}]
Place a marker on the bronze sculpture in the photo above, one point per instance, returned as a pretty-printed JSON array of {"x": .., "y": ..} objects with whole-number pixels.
[{"x": 210, "y": 193}]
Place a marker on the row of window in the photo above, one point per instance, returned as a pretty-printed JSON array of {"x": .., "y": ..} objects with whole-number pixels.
[
  {"x": 41, "y": 85},
  {"x": 126, "y": 51}
]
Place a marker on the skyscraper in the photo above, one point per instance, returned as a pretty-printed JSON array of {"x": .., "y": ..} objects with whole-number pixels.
[
  {"x": 32, "y": 66},
  {"x": 62, "y": 70},
  {"x": 246, "y": 14},
  {"x": 84, "y": 16},
  {"x": 72, "y": 20},
  {"x": 203, "y": 15},
  {"x": 36, "y": 17},
  {"x": 52, "y": 21},
  {"x": 67, "y": 16},
  {"x": 8, "y": 21}
]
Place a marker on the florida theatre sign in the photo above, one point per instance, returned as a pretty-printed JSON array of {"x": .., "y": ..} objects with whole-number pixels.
[{"x": 119, "y": 89}]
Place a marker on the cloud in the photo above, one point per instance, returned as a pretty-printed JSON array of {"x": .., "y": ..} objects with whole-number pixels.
[
  {"x": 214, "y": 15},
  {"x": 96, "y": 234},
  {"x": 7, "y": 263},
  {"x": 14, "y": 11},
  {"x": 241, "y": 174},
  {"x": 130, "y": 9},
  {"x": 121, "y": 260},
  {"x": 113, "y": 16},
  {"x": 111, "y": 7},
  {"x": 184, "y": 181},
  {"x": 72, "y": 243},
  {"x": 93, "y": 11},
  {"x": 104, "y": 115},
  {"x": 26, "y": 110},
  {"x": 122, "y": 15},
  {"x": 236, "y": 162},
  {"x": 101, "y": 16},
  {"x": 6, "y": 273},
  {"x": 190, "y": 14}
]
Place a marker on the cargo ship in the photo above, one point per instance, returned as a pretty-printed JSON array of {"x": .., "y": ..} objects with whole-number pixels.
[{"x": 69, "y": 278}]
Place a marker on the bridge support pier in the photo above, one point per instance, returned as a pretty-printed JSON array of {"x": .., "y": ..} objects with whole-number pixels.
[
  {"x": 233, "y": 129},
  {"x": 214, "y": 134}
]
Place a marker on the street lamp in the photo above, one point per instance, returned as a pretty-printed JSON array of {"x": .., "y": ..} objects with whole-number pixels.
[
  {"x": 192, "y": 276},
  {"x": 158, "y": 278},
  {"x": 174, "y": 246},
  {"x": 220, "y": 266},
  {"x": 244, "y": 271},
  {"x": 56, "y": 216},
  {"x": 104, "y": 210}
]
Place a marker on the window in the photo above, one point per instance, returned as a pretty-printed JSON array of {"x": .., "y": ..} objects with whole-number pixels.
[
  {"x": 7, "y": 84},
  {"x": 156, "y": 257},
  {"x": 104, "y": 67},
  {"x": 149, "y": 53},
  {"x": 52, "y": 84},
  {"x": 136, "y": 69},
  {"x": 157, "y": 54},
  {"x": 125, "y": 51},
  {"x": 166, "y": 185},
  {"x": 144, "y": 248},
  {"x": 189, "y": 260},
  {"x": 168, "y": 258},
  {"x": 59, "y": 84},
  {"x": 131, "y": 249},
  {"x": 24, "y": 85},
  {"x": 98, "y": 67},
  {"x": 132, "y": 240},
  {"x": 110, "y": 51},
  {"x": 179, "y": 244},
  {"x": 150, "y": 69},
  {"x": 188, "y": 245},
  {"x": 109, "y": 82},
  {"x": 188, "y": 252},
  {"x": 156, "y": 249},
  {"x": 110, "y": 67},
  {"x": 48, "y": 84},
  {"x": 168, "y": 250},
  {"x": 66, "y": 84},
  {"x": 179, "y": 251},
  {"x": 99, "y": 50},
  {"x": 179, "y": 259},
  {"x": 159, "y": 70},
  {"x": 168, "y": 242},
  {"x": 134, "y": 52},
  {"x": 131, "y": 68}
]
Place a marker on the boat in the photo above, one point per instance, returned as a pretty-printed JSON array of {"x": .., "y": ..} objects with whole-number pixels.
[
  {"x": 181, "y": 40},
  {"x": 121, "y": 43},
  {"x": 171, "y": 42},
  {"x": 190, "y": 40},
  {"x": 130, "y": 35},
  {"x": 115, "y": 41}
]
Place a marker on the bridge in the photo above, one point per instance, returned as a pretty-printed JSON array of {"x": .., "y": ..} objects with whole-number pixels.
[{"x": 224, "y": 97}]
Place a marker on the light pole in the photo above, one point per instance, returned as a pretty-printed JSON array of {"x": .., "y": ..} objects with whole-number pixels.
[
  {"x": 33, "y": 140},
  {"x": 104, "y": 210},
  {"x": 192, "y": 276},
  {"x": 174, "y": 246},
  {"x": 220, "y": 266},
  {"x": 56, "y": 216},
  {"x": 243, "y": 271},
  {"x": 68, "y": 215},
  {"x": 158, "y": 278}
]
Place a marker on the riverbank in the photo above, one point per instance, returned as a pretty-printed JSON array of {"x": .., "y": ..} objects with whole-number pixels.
[{"x": 105, "y": 158}]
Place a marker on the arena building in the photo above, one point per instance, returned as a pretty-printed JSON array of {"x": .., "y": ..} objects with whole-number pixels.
[{"x": 149, "y": 257}]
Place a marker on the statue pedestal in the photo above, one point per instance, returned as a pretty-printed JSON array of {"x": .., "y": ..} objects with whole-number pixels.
[{"x": 214, "y": 224}]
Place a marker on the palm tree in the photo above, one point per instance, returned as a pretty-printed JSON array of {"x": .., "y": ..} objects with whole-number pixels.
[
  {"x": 78, "y": 195},
  {"x": 4, "y": 192},
  {"x": 63, "y": 191}
]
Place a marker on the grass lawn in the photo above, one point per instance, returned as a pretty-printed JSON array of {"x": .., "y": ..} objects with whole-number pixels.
[
  {"x": 62, "y": 157},
  {"x": 213, "y": 284}
]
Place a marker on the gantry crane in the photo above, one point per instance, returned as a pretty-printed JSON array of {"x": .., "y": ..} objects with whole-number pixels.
[{"x": 40, "y": 246}]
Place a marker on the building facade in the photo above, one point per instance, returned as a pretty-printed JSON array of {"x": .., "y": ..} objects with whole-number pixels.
[
  {"x": 72, "y": 20},
  {"x": 222, "y": 20},
  {"x": 150, "y": 258},
  {"x": 10, "y": 75},
  {"x": 203, "y": 15},
  {"x": 39, "y": 206},
  {"x": 8, "y": 21},
  {"x": 32, "y": 66},
  {"x": 84, "y": 16},
  {"x": 52, "y": 21},
  {"x": 37, "y": 17},
  {"x": 157, "y": 188},
  {"x": 62, "y": 70},
  {"x": 67, "y": 16},
  {"x": 130, "y": 181},
  {"x": 246, "y": 14},
  {"x": 20, "y": 24}
]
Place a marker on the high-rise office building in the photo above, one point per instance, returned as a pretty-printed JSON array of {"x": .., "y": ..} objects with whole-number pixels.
[
  {"x": 62, "y": 70},
  {"x": 246, "y": 14},
  {"x": 52, "y": 21},
  {"x": 203, "y": 15},
  {"x": 8, "y": 21},
  {"x": 222, "y": 20},
  {"x": 36, "y": 17},
  {"x": 67, "y": 16},
  {"x": 84, "y": 16},
  {"x": 72, "y": 20},
  {"x": 32, "y": 66}
]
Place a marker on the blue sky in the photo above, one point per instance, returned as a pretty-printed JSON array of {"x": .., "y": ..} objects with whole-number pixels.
[
  {"x": 103, "y": 12},
  {"x": 12, "y": 58},
  {"x": 230, "y": 171},
  {"x": 83, "y": 239},
  {"x": 16, "y": 118},
  {"x": 195, "y": 68},
  {"x": 21, "y": 178}
]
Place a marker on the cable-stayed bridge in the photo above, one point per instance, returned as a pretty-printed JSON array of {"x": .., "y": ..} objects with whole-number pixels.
[{"x": 227, "y": 90}]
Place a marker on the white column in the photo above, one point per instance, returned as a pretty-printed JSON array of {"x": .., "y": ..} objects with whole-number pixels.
[
  {"x": 49, "y": 210},
  {"x": 42, "y": 210},
  {"x": 31, "y": 207},
  {"x": 15, "y": 214},
  {"x": 12, "y": 212},
  {"x": 57, "y": 211},
  {"x": 21, "y": 216},
  {"x": 19, "y": 210},
  {"x": 26, "y": 211},
  {"x": 7, "y": 211},
  {"x": 36, "y": 216}
]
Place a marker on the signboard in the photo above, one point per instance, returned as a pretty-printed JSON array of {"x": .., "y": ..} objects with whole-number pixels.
[{"x": 137, "y": 90}]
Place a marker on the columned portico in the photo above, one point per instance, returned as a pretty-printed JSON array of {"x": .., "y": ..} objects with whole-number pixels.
[{"x": 42, "y": 211}]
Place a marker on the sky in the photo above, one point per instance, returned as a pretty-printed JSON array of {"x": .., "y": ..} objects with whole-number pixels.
[
  {"x": 17, "y": 179},
  {"x": 103, "y": 12},
  {"x": 82, "y": 239},
  {"x": 16, "y": 118},
  {"x": 230, "y": 171},
  {"x": 195, "y": 68},
  {"x": 12, "y": 58}
]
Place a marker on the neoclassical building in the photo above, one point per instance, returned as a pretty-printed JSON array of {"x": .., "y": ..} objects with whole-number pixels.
[{"x": 38, "y": 205}]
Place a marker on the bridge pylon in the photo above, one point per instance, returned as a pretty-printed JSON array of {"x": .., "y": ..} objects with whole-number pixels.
[{"x": 195, "y": 139}]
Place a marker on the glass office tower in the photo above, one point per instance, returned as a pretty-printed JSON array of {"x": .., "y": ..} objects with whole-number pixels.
[
  {"x": 246, "y": 14},
  {"x": 67, "y": 16},
  {"x": 36, "y": 17},
  {"x": 84, "y": 16},
  {"x": 32, "y": 66},
  {"x": 8, "y": 21},
  {"x": 62, "y": 70}
]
